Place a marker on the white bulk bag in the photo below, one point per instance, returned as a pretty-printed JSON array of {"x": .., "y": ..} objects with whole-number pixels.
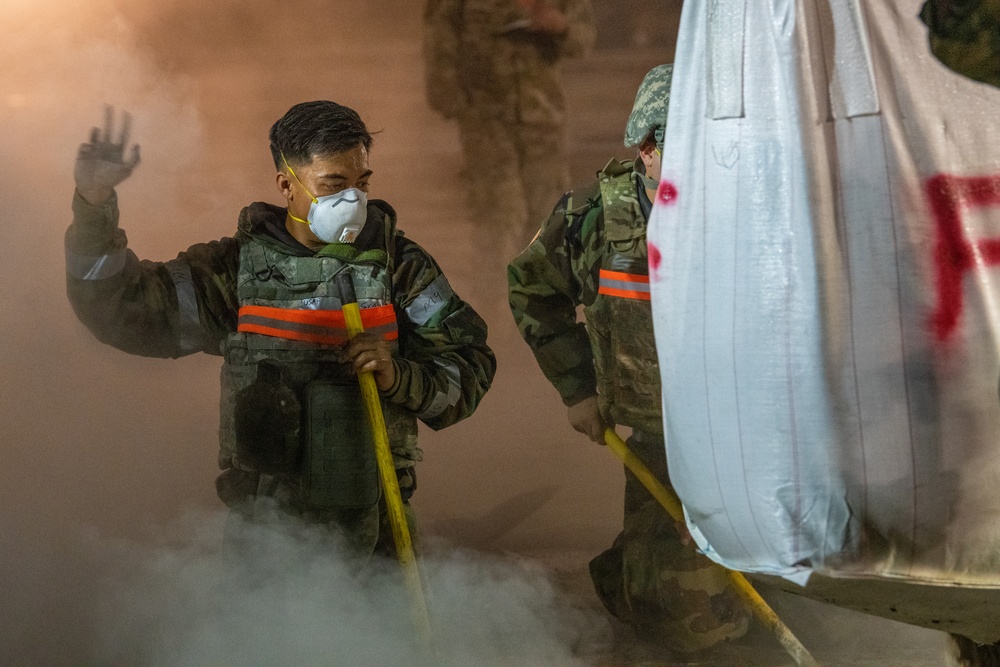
[{"x": 824, "y": 268}]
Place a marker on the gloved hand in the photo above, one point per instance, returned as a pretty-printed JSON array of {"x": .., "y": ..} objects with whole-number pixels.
[
  {"x": 586, "y": 418},
  {"x": 101, "y": 163}
]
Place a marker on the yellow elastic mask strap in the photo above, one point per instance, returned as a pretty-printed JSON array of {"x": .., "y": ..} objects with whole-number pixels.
[{"x": 292, "y": 172}]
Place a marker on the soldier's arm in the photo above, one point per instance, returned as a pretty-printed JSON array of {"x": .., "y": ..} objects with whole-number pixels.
[
  {"x": 442, "y": 30},
  {"x": 155, "y": 309},
  {"x": 444, "y": 365},
  {"x": 546, "y": 283}
]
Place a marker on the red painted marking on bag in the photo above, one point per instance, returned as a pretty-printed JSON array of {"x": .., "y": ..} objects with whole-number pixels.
[
  {"x": 655, "y": 257},
  {"x": 667, "y": 193},
  {"x": 954, "y": 253}
]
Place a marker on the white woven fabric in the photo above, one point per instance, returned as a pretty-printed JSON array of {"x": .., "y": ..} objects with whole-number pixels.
[{"x": 824, "y": 265}]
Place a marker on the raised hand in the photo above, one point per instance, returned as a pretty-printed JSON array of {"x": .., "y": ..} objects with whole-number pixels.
[{"x": 101, "y": 163}]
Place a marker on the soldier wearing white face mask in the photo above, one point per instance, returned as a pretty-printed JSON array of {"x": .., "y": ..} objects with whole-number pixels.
[
  {"x": 336, "y": 218},
  {"x": 292, "y": 431}
]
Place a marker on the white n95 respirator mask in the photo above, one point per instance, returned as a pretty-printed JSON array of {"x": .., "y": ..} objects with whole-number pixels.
[
  {"x": 335, "y": 218},
  {"x": 338, "y": 217}
]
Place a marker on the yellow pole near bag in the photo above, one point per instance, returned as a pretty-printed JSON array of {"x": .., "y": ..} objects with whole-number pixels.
[
  {"x": 672, "y": 504},
  {"x": 387, "y": 469}
]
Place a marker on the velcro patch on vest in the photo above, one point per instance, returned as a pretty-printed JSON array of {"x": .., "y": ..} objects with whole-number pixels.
[
  {"x": 624, "y": 285},
  {"x": 325, "y": 327}
]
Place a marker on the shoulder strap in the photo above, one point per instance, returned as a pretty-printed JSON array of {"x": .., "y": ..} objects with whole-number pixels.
[{"x": 623, "y": 216}]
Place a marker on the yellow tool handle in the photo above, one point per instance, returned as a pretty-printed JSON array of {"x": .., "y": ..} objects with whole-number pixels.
[
  {"x": 390, "y": 484},
  {"x": 672, "y": 504}
]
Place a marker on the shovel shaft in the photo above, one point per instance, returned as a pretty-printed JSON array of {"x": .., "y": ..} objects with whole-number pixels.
[
  {"x": 672, "y": 504},
  {"x": 387, "y": 473}
]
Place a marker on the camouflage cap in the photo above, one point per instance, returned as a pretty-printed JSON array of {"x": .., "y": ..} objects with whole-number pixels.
[{"x": 649, "y": 113}]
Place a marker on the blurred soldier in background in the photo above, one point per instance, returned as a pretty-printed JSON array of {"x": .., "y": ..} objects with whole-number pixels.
[
  {"x": 592, "y": 252},
  {"x": 965, "y": 36},
  {"x": 494, "y": 65},
  {"x": 293, "y": 434}
]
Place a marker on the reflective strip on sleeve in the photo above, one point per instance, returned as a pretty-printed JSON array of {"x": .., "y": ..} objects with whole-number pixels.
[
  {"x": 89, "y": 267},
  {"x": 325, "y": 327},
  {"x": 444, "y": 400},
  {"x": 624, "y": 285},
  {"x": 188, "y": 320},
  {"x": 430, "y": 301}
]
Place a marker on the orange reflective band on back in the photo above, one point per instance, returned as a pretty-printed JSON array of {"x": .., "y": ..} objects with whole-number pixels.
[
  {"x": 324, "y": 327},
  {"x": 624, "y": 285}
]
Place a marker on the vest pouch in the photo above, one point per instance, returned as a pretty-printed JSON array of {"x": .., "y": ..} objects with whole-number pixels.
[
  {"x": 267, "y": 420},
  {"x": 339, "y": 467},
  {"x": 620, "y": 319},
  {"x": 635, "y": 384}
]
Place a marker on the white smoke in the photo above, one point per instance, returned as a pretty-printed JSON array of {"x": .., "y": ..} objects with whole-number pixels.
[
  {"x": 287, "y": 594},
  {"x": 60, "y": 69}
]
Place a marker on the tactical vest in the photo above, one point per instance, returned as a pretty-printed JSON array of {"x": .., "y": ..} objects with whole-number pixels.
[
  {"x": 289, "y": 405},
  {"x": 620, "y": 318}
]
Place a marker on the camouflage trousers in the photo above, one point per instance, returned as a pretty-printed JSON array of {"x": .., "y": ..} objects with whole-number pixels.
[
  {"x": 260, "y": 498},
  {"x": 668, "y": 592},
  {"x": 514, "y": 174}
]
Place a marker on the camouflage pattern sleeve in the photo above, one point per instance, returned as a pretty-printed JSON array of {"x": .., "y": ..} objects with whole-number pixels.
[
  {"x": 153, "y": 309},
  {"x": 444, "y": 365},
  {"x": 581, "y": 32},
  {"x": 965, "y": 36},
  {"x": 547, "y": 282},
  {"x": 442, "y": 30}
]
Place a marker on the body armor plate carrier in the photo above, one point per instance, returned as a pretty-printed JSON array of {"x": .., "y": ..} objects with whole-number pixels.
[
  {"x": 289, "y": 405},
  {"x": 620, "y": 318}
]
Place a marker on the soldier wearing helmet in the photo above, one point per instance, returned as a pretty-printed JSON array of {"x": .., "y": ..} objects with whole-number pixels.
[{"x": 592, "y": 252}]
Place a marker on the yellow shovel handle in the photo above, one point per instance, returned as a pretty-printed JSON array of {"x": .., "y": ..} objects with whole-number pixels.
[
  {"x": 390, "y": 484},
  {"x": 672, "y": 504}
]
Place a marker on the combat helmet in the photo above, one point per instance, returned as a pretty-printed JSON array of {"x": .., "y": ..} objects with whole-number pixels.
[{"x": 649, "y": 113}]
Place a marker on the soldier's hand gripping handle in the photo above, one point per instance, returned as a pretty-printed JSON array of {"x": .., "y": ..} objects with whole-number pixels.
[
  {"x": 366, "y": 352},
  {"x": 586, "y": 418},
  {"x": 101, "y": 163}
]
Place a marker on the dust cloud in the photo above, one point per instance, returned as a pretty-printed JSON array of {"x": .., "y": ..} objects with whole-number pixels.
[
  {"x": 110, "y": 548},
  {"x": 292, "y": 598}
]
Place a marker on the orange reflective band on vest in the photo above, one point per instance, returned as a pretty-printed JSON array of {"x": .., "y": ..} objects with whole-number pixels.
[
  {"x": 624, "y": 285},
  {"x": 325, "y": 327}
]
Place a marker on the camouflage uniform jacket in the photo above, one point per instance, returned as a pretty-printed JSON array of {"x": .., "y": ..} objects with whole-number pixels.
[
  {"x": 965, "y": 36},
  {"x": 477, "y": 60},
  {"x": 592, "y": 252},
  {"x": 190, "y": 304}
]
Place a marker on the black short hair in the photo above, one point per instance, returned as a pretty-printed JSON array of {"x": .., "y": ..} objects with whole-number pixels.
[{"x": 316, "y": 128}]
